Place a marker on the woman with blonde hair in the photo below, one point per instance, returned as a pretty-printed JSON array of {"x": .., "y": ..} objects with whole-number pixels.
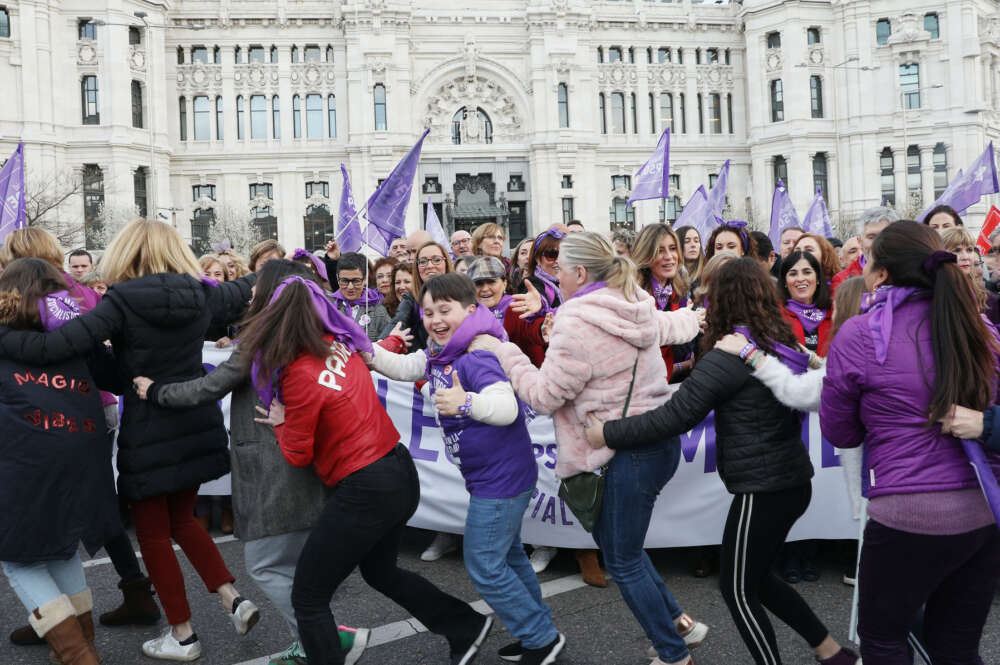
[
  {"x": 489, "y": 239},
  {"x": 599, "y": 291},
  {"x": 236, "y": 265},
  {"x": 156, "y": 316},
  {"x": 214, "y": 267},
  {"x": 37, "y": 243},
  {"x": 264, "y": 251},
  {"x": 962, "y": 244}
]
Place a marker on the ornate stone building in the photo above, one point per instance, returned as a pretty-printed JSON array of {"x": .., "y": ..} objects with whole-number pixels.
[{"x": 539, "y": 110}]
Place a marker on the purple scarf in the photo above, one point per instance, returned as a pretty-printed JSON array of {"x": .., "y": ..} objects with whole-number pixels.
[
  {"x": 316, "y": 261},
  {"x": 661, "y": 293},
  {"x": 589, "y": 288},
  {"x": 343, "y": 329},
  {"x": 882, "y": 303},
  {"x": 480, "y": 322},
  {"x": 56, "y": 309},
  {"x": 551, "y": 285},
  {"x": 500, "y": 309},
  {"x": 793, "y": 359},
  {"x": 810, "y": 316},
  {"x": 368, "y": 298}
]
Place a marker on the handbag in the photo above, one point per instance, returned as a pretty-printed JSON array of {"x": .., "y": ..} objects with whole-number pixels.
[{"x": 584, "y": 492}]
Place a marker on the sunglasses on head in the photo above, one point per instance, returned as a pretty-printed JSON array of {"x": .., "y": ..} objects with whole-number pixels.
[{"x": 551, "y": 254}]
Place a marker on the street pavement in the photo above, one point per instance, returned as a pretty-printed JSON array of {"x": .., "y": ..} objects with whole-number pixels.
[{"x": 599, "y": 628}]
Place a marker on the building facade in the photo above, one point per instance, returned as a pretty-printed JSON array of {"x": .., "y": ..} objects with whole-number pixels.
[{"x": 223, "y": 114}]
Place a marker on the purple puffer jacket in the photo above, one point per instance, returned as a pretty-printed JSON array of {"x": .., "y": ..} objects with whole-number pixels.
[{"x": 885, "y": 407}]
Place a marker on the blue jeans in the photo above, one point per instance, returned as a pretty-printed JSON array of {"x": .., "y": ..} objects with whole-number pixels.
[
  {"x": 500, "y": 570},
  {"x": 634, "y": 480},
  {"x": 38, "y": 583}
]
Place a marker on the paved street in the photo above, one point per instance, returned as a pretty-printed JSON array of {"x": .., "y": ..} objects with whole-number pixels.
[{"x": 598, "y": 625}]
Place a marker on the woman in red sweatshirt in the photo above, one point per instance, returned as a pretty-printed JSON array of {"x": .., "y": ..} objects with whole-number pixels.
[{"x": 307, "y": 365}]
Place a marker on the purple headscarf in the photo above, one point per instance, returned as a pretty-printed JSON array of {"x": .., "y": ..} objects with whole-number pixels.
[
  {"x": 317, "y": 262},
  {"x": 342, "y": 327},
  {"x": 737, "y": 226},
  {"x": 550, "y": 233}
]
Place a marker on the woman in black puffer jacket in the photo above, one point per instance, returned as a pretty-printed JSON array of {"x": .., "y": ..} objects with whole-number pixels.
[
  {"x": 761, "y": 459},
  {"x": 155, "y": 315}
]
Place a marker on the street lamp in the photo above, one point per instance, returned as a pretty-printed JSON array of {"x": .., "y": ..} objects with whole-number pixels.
[{"x": 151, "y": 194}]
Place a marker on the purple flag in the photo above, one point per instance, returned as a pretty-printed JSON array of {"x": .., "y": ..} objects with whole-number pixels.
[
  {"x": 348, "y": 226},
  {"x": 984, "y": 473},
  {"x": 652, "y": 180},
  {"x": 12, "y": 203},
  {"x": 433, "y": 225},
  {"x": 717, "y": 197},
  {"x": 967, "y": 188},
  {"x": 387, "y": 206},
  {"x": 783, "y": 214},
  {"x": 696, "y": 213},
  {"x": 817, "y": 219},
  {"x": 377, "y": 239}
]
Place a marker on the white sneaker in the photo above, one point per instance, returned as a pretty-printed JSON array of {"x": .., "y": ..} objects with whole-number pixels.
[
  {"x": 443, "y": 543},
  {"x": 166, "y": 647},
  {"x": 542, "y": 557},
  {"x": 693, "y": 637},
  {"x": 245, "y": 615}
]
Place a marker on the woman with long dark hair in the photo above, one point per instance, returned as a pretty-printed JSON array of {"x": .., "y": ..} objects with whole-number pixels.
[
  {"x": 308, "y": 354},
  {"x": 761, "y": 458},
  {"x": 691, "y": 251},
  {"x": 543, "y": 266},
  {"x": 892, "y": 373},
  {"x": 731, "y": 236},
  {"x": 806, "y": 298}
]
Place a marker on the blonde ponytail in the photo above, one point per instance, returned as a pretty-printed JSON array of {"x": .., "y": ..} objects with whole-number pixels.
[{"x": 593, "y": 252}]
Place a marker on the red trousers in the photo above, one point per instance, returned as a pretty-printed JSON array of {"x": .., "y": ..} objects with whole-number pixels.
[{"x": 161, "y": 518}]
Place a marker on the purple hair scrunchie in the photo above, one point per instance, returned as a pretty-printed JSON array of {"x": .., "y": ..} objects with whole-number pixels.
[
  {"x": 934, "y": 262},
  {"x": 739, "y": 226},
  {"x": 316, "y": 261},
  {"x": 553, "y": 233}
]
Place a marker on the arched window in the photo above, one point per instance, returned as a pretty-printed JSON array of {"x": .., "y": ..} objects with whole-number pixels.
[
  {"x": 819, "y": 174},
  {"x": 780, "y": 171},
  {"x": 618, "y": 112},
  {"x": 378, "y": 95},
  {"x": 296, "y": 117},
  {"x": 182, "y": 107},
  {"x": 275, "y": 117},
  {"x": 239, "y": 117},
  {"x": 202, "y": 119},
  {"x": 88, "y": 94},
  {"x": 274, "y": 55},
  {"x": 816, "y": 95},
  {"x": 314, "y": 116},
  {"x": 331, "y": 113},
  {"x": 485, "y": 126},
  {"x": 940, "y": 169},
  {"x": 914, "y": 183},
  {"x": 329, "y": 54},
  {"x": 137, "y": 104},
  {"x": 563, "y": 105},
  {"x": 888, "y": 177},
  {"x": 218, "y": 118}
]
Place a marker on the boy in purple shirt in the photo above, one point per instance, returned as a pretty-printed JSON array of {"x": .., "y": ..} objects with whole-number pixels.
[{"x": 486, "y": 436}]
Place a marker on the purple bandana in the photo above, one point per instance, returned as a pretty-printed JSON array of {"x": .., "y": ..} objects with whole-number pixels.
[
  {"x": 500, "y": 309},
  {"x": 739, "y": 226},
  {"x": 56, "y": 309},
  {"x": 793, "y": 359},
  {"x": 661, "y": 293},
  {"x": 551, "y": 233},
  {"x": 316, "y": 261},
  {"x": 589, "y": 288},
  {"x": 810, "y": 316},
  {"x": 343, "y": 329},
  {"x": 480, "y": 322},
  {"x": 882, "y": 303}
]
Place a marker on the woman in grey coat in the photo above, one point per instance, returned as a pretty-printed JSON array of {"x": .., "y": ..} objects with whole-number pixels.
[{"x": 275, "y": 505}]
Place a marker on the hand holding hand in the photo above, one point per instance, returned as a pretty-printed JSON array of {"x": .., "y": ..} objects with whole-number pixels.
[
  {"x": 732, "y": 343},
  {"x": 274, "y": 417},
  {"x": 141, "y": 385},
  {"x": 962, "y": 423},
  {"x": 594, "y": 430},
  {"x": 527, "y": 304},
  {"x": 447, "y": 400}
]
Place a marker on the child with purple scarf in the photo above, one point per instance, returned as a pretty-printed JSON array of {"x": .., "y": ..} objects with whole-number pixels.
[
  {"x": 486, "y": 436},
  {"x": 353, "y": 298}
]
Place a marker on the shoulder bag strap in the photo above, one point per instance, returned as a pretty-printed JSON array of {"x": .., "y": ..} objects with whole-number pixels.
[{"x": 631, "y": 385}]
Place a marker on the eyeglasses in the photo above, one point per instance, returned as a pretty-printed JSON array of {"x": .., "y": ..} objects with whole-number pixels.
[
  {"x": 551, "y": 254},
  {"x": 994, "y": 251},
  {"x": 434, "y": 260},
  {"x": 357, "y": 281}
]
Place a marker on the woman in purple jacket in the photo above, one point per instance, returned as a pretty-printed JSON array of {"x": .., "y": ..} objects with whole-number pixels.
[{"x": 892, "y": 373}]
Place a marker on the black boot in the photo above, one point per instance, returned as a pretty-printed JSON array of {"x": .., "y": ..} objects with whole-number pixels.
[{"x": 139, "y": 608}]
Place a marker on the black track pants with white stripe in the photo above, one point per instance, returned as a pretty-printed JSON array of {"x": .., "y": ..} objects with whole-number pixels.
[{"x": 756, "y": 528}]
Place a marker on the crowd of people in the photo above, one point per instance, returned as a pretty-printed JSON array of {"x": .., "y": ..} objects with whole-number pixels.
[{"x": 889, "y": 334}]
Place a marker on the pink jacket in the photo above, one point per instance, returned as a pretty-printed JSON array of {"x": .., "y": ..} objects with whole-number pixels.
[{"x": 588, "y": 367}]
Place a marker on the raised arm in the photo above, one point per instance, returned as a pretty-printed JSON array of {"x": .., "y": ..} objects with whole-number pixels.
[
  {"x": 715, "y": 378},
  {"x": 403, "y": 314},
  {"x": 76, "y": 338},
  {"x": 229, "y": 300},
  {"x": 411, "y": 367},
  {"x": 677, "y": 327},
  {"x": 209, "y": 388}
]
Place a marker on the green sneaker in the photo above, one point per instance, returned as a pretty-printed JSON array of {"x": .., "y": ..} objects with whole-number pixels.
[
  {"x": 293, "y": 655},
  {"x": 353, "y": 641}
]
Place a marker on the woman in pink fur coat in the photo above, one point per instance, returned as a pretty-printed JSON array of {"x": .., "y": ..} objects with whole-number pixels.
[{"x": 606, "y": 326}]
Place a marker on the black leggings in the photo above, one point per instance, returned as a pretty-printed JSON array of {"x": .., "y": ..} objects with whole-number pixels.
[{"x": 756, "y": 528}]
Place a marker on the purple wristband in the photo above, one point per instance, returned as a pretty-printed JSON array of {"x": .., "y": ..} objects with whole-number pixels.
[{"x": 747, "y": 350}]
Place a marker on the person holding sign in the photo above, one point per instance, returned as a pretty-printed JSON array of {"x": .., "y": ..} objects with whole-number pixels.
[{"x": 761, "y": 457}]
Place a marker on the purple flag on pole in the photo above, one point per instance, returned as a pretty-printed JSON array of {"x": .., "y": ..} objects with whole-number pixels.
[
  {"x": 717, "y": 197},
  {"x": 783, "y": 214},
  {"x": 652, "y": 180},
  {"x": 433, "y": 225},
  {"x": 387, "y": 206},
  {"x": 984, "y": 473},
  {"x": 348, "y": 226},
  {"x": 967, "y": 188},
  {"x": 12, "y": 203},
  {"x": 817, "y": 219},
  {"x": 696, "y": 213},
  {"x": 377, "y": 239}
]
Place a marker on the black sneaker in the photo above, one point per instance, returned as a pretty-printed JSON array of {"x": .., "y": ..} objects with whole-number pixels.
[
  {"x": 547, "y": 654},
  {"x": 464, "y": 652},
  {"x": 512, "y": 652}
]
